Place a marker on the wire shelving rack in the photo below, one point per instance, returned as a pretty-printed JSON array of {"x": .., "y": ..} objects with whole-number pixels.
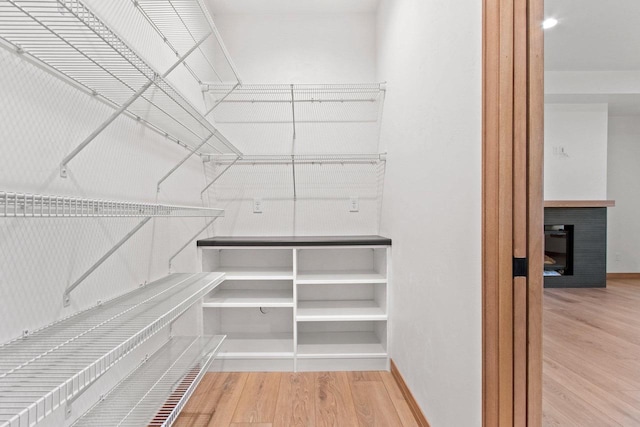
[
  {"x": 298, "y": 124},
  {"x": 67, "y": 37},
  {"x": 46, "y": 206},
  {"x": 155, "y": 393},
  {"x": 52, "y": 366}
]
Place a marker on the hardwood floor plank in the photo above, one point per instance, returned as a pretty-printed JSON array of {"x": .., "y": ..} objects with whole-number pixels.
[
  {"x": 250, "y": 425},
  {"x": 373, "y": 404},
  {"x": 257, "y": 403},
  {"x": 296, "y": 401},
  {"x": 226, "y": 394},
  {"x": 214, "y": 401},
  {"x": 596, "y": 396},
  {"x": 192, "y": 420},
  {"x": 399, "y": 402},
  {"x": 574, "y": 407},
  {"x": 333, "y": 400},
  {"x": 592, "y": 355},
  {"x": 363, "y": 376},
  {"x": 201, "y": 394}
]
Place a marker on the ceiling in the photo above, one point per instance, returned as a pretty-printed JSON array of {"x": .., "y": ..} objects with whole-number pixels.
[
  {"x": 593, "y": 35},
  {"x": 292, "y": 6}
]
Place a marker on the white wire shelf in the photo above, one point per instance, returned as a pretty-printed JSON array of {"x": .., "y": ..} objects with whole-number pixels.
[
  {"x": 35, "y": 205},
  {"x": 181, "y": 24},
  {"x": 155, "y": 393},
  {"x": 255, "y": 93},
  {"x": 67, "y": 37},
  {"x": 44, "y": 369},
  {"x": 365, "y": 158}
]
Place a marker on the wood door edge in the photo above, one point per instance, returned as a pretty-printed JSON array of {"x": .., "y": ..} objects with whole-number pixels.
[{"x": 411, "y": 401}]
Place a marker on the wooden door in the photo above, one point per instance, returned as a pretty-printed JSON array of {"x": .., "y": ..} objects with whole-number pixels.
[{"x": 513, "y": 208}]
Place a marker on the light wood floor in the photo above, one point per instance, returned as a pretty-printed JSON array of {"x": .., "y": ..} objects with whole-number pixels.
[
  {"x": 310, "y": 399},
  {"x": 591, "y": 370}
]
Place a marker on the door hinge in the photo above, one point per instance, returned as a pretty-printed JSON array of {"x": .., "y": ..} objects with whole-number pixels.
[{"x": 520, "y": 267}]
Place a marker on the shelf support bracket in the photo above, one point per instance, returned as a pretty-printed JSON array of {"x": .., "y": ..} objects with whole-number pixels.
[
  {"x": 66, "y": 297},
  {"x": 219, "y": 101},
  {"x": 293, "y": 144},
  {"x": 183, "y": 247},
  {"x": 124, "y": 107},
  {"x": 188, "y": 156},
  {"x": 219, "y": 175}
]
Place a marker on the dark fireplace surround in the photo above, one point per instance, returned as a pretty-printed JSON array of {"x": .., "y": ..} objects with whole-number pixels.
[{"x": 589, "y": 259}]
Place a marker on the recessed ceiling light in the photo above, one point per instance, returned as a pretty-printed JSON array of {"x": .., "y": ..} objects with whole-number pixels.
[{"x": 549, "y": 23}]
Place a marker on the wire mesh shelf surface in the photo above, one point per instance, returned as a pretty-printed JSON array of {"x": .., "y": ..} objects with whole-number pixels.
[
  {"x": 339, "y": 158},
  {"x": 181, "y": 24},
  {"x": 44, "y": 369},
  {"x": 34, "y": 205},
  {"x": 155, "y": 393},
  {"x": 310, "y": 119},
  {"x": 69, "y": 38}
]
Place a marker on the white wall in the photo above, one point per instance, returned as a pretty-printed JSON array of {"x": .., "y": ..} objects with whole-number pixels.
[
  {"x": 430, "y": 54},
  {"x": 623, "y": 242},
  {"x": 300, "y": 48},
  {"x": 42, "y": 118},
  {"x": 575, "y": 152}
]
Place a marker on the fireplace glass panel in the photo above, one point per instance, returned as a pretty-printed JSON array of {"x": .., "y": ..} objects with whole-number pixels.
[{"x": 558, "y": 250}]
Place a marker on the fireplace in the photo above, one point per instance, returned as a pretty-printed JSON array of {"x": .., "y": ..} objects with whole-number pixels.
[
  {"x": 558, "y": 250},
  {"x": 575, "y": 247}
]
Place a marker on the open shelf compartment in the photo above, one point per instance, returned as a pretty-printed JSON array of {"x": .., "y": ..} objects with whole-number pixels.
[
  {"x": 155, "y": 393},
  {"x": 71, "y": 354},
  {"x": 247, "y": 294},
  {"x": 249, "y": 264},
  {"x": 340, "y": 302},
  {"x": 342, "y": 340},
  {"x": 252, "y": 333},
  {"x": 341, "y": 266}
]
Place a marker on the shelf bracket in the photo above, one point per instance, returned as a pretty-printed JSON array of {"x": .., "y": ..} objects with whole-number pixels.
[
  {"x": 219, "y": 101},
  {"x": 183, "y": 247},
  {"x": 124, "y": 107},
  {"x": 293, "y": 145},
  {"x": 219, "y": 175},
  {"x": 191, "y": 153},
  {"x": 66, "y": 297}
]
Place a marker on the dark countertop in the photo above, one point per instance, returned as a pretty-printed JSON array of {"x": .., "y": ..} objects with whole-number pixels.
[{"x": 295, "y": 241}]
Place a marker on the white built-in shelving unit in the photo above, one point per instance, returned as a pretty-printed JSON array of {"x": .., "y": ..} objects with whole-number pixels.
[
  {"x": 50, "y": 367},
  {"x": 327, "y": 308}
]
